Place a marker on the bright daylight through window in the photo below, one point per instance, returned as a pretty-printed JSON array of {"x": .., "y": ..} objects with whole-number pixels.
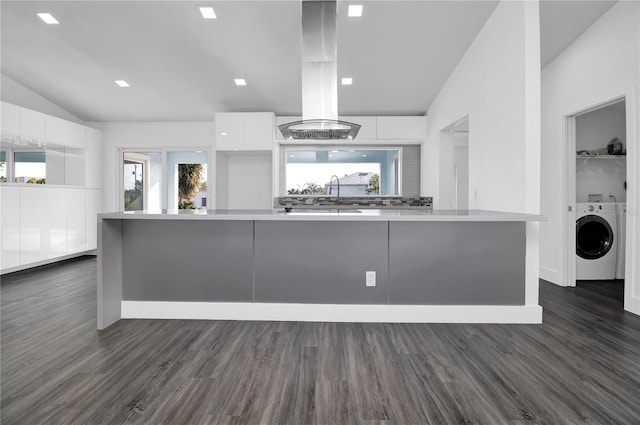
[
  {"x": 361, "y": 172},
  {"x": 185, "y": 181}
]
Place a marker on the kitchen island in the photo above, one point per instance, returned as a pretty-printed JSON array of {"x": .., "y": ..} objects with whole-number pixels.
[{"x": 316, "y": 265}]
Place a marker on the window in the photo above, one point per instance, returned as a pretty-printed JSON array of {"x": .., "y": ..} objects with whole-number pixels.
[
  {"x": 30, "y": 167},
  {"x": 186, "y": 179},
  {"x": 162, "y": 179},
  {"x": 3, "y": 167},
  {"x": 141, "y": 178},
  {"x": 360, "y": 172}
]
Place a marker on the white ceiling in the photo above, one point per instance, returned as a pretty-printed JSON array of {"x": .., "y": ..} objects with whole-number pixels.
[{"x": 181, "y": 67}]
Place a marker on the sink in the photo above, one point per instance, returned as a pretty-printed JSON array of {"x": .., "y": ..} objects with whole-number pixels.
[{"x": 321, "y": 211}]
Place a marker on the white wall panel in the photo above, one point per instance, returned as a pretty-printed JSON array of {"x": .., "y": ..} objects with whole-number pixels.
[
  {"x": 10, "y": 118},
  {"x": 401, "y": 128},
  {"x": 32, "y": 123},
  {"x": 34, "y": 228},
  {"x": 76, "y": 220},
  {"x": 94, "y": 206},
  {"x": 249, "y": 181},
  {"x": 93, "y": 158},
  {"x": 56, "y": 218},
  {"x": 10, "y": 225}
]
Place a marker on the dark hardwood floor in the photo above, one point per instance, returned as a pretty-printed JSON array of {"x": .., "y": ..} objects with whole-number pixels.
[{"x": 581, "y": 366}]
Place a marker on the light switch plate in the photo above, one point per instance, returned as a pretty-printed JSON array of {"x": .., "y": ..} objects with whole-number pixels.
[{"x": 370, "y": 279}]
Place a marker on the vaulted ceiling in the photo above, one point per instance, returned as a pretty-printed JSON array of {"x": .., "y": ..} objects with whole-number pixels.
[{"x": 181, "y": 67}]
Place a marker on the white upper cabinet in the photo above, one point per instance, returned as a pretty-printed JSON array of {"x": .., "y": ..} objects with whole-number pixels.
[
  {"x": 93, "y": 164},
  {"x": 10, "y": 118},
  {"x": 251, "y": 131},
  {"x": 258, "y": 131},
  {"x": 402, "y": 128},
  {"x": 229, "y": 131},
  {"x": 32, "y": 123},
  {"x": 65, "y": 133},
  {"x": 367, "y": 126}
]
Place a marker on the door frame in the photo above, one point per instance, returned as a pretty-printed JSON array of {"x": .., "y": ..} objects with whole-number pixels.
[{"x": 632, "y": 274}]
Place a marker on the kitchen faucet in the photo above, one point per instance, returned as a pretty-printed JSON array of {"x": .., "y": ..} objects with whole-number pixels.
[{"x": 331, "y": 187}]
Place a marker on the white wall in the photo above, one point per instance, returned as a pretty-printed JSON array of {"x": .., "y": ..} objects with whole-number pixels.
[
  {"x": 13, "y": 92},
  {"x": 247, "y": 178},
  {"x": 146, "y": 134},
  {"x": 490, "y": 85},
  {"x": 601, "y": 65},
  {"x": 497, "y": 84}
]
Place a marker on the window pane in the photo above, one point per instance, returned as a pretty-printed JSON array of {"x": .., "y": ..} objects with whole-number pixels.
[
  {"x": 142, "y": 176},
  {"x": 30, "y": 167},
  {"x": 360, "y": 172},
  {"x": 3, "y": 167},
  {"x": 187, "y": 180}
]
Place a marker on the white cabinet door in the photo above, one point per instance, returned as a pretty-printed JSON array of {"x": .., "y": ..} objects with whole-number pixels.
[
  {"x": 76, "y": 135},
  {"x": 32, "y": 123},
  {"x": 56, "y": 217},
  {"x": 93, "y": 162},
  {"x": 229, "y": 131},
  {"x": 251, "y": 131},
  {"x": 43, "y": 224},
  {"x": 10, "y": 118},
  {"x": 9, "y": 227},
  {"x": 56, "y": 129},
  {"x": 258, "y": 131},
  {"x": 94, "y": 206},
  {"x": 34, "y": 228},
  {"x": 402, "y": 128},
  {"x": 76, "y": 221},
  {"x": 63, "y": 132}
]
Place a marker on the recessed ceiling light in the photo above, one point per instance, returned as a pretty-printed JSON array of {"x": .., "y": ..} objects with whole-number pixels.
[
  {"x": 48, "y": 18},
  {"x": 223, "y": 134},
  {"x": 122, "y": 83},
  {"x": 240, "y": 82},
  {"x": 355, "y": 10},
  {"x": 364, "y": 155},
  {"x": 347, "y": 81},
  {"x": 208, "y": 13}
]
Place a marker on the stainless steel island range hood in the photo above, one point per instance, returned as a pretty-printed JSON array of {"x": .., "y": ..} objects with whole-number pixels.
[{"x": 319, "y": 78}]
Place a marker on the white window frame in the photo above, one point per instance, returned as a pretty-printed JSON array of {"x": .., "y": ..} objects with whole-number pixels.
[{"x": 163, "y": 150}]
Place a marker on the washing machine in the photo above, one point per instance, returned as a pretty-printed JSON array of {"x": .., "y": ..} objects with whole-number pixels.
[
  {"x": 596, "y": 241},
  {"x": 622, "y": 233}
]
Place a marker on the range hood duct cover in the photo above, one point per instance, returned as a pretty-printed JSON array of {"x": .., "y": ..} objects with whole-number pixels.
[{"x": 319, "y": 78}]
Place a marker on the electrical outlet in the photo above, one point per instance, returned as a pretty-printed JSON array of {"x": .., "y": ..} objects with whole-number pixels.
[{"x": 370, "y": 279}]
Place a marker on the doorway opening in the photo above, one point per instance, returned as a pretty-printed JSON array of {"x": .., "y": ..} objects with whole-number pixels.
[
  {"x": 596, "y": 193},
  {"x": 455, "y": 160}
]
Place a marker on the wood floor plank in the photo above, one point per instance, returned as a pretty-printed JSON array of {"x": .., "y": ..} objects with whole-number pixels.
[{"x": 581, "y": 366}]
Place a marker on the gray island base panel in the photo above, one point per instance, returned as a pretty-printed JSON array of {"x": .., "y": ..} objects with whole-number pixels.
[{"x": 313, "y": 270}]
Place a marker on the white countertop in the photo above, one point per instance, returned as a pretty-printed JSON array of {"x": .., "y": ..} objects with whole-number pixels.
[{"x": 326, "y": 215}]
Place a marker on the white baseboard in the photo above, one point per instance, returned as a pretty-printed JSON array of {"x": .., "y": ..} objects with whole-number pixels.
[
  {"x": 331, "y": 312},
  {"x": 550, "y": 275},
  {"x": 633, "y": 306}
]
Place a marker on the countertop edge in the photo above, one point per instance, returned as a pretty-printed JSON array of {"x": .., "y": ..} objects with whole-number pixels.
[{"x": 369, "y": 215}]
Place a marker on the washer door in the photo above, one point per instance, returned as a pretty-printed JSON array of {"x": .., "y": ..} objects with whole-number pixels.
[{"x": 594, "y": 237}]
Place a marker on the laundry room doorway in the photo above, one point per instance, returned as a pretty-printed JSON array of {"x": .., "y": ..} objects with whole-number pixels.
[{"x": 596, "y": 193}]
